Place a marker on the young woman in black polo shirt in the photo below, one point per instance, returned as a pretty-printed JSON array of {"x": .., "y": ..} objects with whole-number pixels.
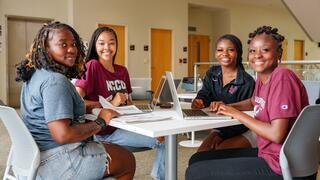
[{"x": 227, "y": 83}]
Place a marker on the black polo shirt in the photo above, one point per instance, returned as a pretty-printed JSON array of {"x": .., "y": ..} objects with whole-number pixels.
[{"x": 239, "y": 89}]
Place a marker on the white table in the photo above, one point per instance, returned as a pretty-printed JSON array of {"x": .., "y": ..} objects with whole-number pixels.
[{"x": 170, "y": 129}]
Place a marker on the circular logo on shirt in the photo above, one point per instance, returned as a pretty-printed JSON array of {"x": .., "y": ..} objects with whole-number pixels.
[{"x": 284, "y": 106}]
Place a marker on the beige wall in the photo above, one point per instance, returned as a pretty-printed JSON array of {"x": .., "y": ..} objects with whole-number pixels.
[
  {"x": 203, "y": 21},
  {"x": 241, "y": 20},
  {"x": 221, "y": 24},
  {"x": 57, "y": 10},
  {"x": 246, "y": 19},
  {"x": 212, "y": 22},
  {"x": 138, "y": 17},
  {"x": 308, "y": 20}
]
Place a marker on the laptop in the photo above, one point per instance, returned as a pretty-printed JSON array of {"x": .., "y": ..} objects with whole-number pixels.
[
  {"x": 155, "y": 98},
  {"x": 165, "y": 95},
  {"x": 191, "y": 114}
]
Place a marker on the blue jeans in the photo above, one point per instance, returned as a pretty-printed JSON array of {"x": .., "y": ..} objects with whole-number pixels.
[
  {"x": 73, "y": 161},
  {"x": 127, "y": 138}
]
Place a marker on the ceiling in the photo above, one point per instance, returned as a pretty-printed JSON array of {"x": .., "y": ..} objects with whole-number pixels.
[
  {"x": 303, "y": 11},
  {"x": 225, "y": 3},
  {"x": 306, "y": 13},
  {"x": 264, "y": 3}
]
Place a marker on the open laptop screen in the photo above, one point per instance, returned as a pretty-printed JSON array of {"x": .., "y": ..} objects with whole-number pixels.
[
  {"x": 194, "y": 116},
  {"x": 156, "y": 94},
  {"x": 165, "y": 95}
]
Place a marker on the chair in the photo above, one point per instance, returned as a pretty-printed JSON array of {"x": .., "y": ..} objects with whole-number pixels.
[
  {"x": 299, "y": 155},
  {"x": 24, "y": 155},
  {"x": 140, "y": 88},
  {"x": 312, "y": 88}
]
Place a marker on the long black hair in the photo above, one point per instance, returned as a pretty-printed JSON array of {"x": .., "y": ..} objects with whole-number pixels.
[
  {"x": 37, "y": 56},
  {"x": 270, "y": 31},
  {"x": 92, "y": 51},
  {"x": 237, "y": 43}
]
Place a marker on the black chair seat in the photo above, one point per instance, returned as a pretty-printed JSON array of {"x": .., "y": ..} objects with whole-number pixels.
[{"x": 136, "y": 149}]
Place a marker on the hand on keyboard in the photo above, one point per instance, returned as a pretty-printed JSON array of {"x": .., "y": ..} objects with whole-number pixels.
[{"x": 214, "y": 106}]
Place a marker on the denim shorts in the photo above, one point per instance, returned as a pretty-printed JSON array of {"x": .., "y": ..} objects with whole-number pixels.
[
  {"x": 86, "y": 160},
  {"x": 251, "y": 137}
]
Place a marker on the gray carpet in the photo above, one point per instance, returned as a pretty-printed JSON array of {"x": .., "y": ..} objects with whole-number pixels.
[{"x": 145, "y": 158}]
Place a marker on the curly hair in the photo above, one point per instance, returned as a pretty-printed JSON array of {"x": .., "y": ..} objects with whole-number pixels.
[
  {"x": 37, "y": 57},
  {"x": 273, "y": 32},
  {"x": 237, "y": 43},
  {"x": 92, "y": 51}
]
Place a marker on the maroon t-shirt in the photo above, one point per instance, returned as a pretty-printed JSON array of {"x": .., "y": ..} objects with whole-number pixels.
[
  {"x": 100, "y": 81},
  {"x": 282, "y": 96}
]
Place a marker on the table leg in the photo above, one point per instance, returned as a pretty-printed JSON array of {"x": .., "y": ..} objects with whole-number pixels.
[{"x": 171, "y": 157}]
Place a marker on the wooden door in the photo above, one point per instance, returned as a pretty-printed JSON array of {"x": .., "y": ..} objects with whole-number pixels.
[
  {"x": 21, "y": 33},
  {"x": 298, "y": 55},
  {"x": 161, "y": 47},
  {"x": 120, "y": 30},
  {"x": 284, "y": 46},
  {"x": 199, "y": 46}
]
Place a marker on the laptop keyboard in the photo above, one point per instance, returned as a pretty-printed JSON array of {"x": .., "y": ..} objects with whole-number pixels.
[
  {"x": 144, "y": 107},
  {"x": 194, "y": 112}
]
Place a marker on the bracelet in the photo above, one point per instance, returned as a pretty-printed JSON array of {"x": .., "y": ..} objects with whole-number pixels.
[{"x": 101, "y": 123}]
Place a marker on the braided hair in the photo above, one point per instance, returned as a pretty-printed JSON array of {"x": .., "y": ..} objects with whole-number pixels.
[
  {"x": 237, "y": 43},
  {"x": 92, "y": 51},
  {"x": 37, "y": 57},
  {"x": 270, "y": 31}
]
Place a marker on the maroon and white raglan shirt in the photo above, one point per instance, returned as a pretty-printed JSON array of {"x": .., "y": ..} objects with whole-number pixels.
[
  {"x": 100, "y": 81},
  {"x": 282, "y": 96}
]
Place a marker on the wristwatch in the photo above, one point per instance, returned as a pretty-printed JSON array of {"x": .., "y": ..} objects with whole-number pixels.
[{"x": 101, "y": 123}]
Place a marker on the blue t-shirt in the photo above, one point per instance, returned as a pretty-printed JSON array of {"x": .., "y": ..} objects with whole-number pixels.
[{"x": 46, "y": 97}]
